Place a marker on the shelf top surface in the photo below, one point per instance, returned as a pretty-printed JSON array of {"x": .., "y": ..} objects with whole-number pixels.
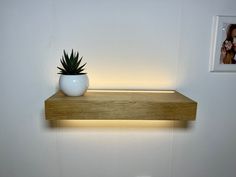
[{"x": 123, "y": 95}]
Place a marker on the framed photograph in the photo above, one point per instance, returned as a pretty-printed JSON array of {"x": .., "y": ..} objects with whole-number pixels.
[{"x": 223, "y": 48}]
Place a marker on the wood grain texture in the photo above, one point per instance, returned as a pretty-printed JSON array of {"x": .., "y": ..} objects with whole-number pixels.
[{"x": 121, "y": 106}]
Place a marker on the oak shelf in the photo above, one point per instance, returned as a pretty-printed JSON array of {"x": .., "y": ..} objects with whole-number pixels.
[{"x": 121, "y": 105}]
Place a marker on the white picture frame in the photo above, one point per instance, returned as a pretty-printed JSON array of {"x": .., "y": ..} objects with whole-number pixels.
[{"x": 221, "y": 25}]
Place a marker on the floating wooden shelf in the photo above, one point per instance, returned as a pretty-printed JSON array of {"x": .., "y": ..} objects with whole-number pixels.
[{"x": 121, "y": 105}]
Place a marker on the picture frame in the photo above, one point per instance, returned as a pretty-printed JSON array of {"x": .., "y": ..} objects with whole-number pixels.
[{"x": 223, "y": 47}]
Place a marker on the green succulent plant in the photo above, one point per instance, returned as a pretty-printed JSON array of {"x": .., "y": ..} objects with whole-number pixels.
[{"x": 71, "y": 65}]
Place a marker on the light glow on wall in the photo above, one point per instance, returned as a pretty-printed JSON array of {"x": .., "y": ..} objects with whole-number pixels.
[
  {"x": 139, "y": 124},
  {"x": 132, "y": 91}
]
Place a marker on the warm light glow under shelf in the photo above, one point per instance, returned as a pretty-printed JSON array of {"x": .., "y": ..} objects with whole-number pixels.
[{"x": 118, "y": 124}]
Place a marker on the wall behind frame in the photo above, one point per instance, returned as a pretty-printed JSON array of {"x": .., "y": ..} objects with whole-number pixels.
[{"x": 153, "y": 44}]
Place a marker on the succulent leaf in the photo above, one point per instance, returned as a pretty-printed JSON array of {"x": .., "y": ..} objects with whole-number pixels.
[
  {"x": 82, "y": 66},
  {"x": 62, "y": 71},
  {"x": 71, "y": 55},
  {"x": 64, "y": 64}
]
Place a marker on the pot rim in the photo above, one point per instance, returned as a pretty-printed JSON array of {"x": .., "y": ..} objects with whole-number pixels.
[{"x": 73, "y": 74}]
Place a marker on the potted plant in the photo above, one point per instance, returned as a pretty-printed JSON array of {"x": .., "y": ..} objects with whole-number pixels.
[{"x": 73, "y": 81}]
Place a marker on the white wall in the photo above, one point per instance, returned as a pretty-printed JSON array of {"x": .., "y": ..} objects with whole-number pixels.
[{"x": 153, "y": 44}]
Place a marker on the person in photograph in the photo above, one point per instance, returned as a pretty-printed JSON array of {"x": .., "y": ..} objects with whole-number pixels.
[{"x": 228, "y": 48}]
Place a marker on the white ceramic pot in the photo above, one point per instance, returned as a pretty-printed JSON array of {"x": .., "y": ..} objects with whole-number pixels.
[{"x": 74, "y": 85}]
